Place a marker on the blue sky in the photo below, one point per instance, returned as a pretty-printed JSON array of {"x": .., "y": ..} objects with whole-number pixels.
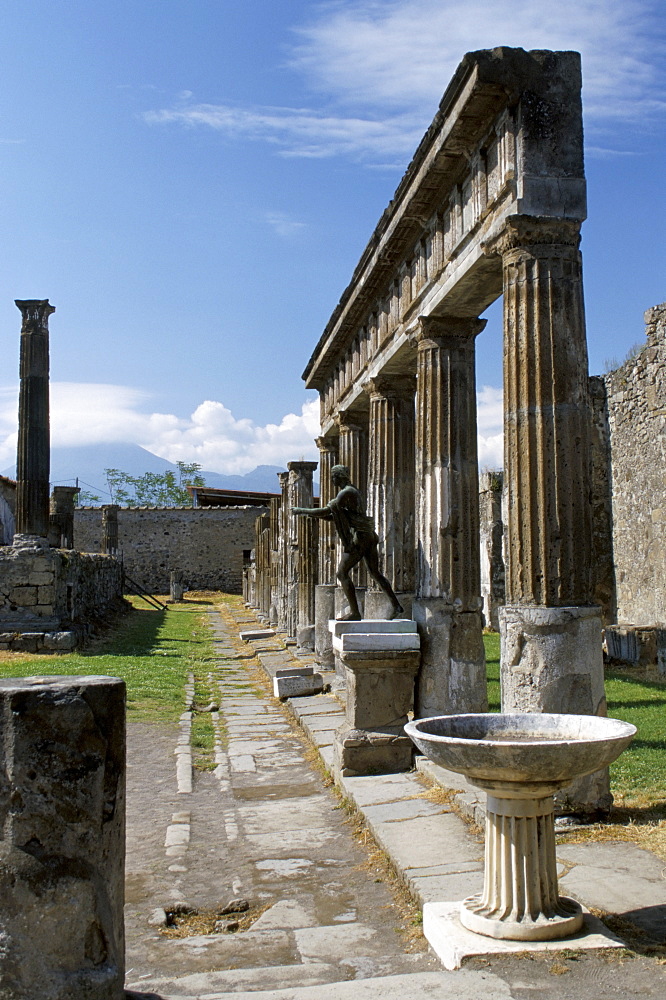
[{"x": 191, "y": 183}]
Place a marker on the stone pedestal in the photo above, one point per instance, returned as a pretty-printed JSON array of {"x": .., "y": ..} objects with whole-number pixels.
[
  {"x": 61, "y": 516},
  {"x": 452, "y": 678},
  {"x": 380, "y": 660},
  {"x": 62, "y": 838},
  {"x": 552, "y": 661}
]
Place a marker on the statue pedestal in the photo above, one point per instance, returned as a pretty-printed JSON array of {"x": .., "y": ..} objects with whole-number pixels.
[{"x": 380, "y": 660}]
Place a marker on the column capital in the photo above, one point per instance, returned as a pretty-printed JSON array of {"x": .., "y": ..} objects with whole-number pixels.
[
  {"x": 391, "y": 386},
  {"x": 302, "y": 468},
  {"x": 347, "y": 421},
  {"x": 530, "y": 231},
  {"x": 35, "y": 314},
  {"x": 328, "y": 443},
  {"x": 446, "y": 331}
]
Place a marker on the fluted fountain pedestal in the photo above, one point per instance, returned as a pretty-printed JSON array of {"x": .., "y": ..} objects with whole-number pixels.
[{"x": 520, "y": 761}]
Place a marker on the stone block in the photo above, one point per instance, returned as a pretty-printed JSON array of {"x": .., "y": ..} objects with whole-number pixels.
[
  {"x": 60, "y": 640},
  {"x": 23, "y": 595},
  {"x": 63, "y": 848},
  {"x": 379, "y": 687},
  {"x": 296, "y": 686},
  {"x": 257, "y": 633},
  {"x": 40, "y": 579},
  {"x": 28, "y": 642},
  {"x": 381, "y": 625},
  {"x": 376, "y": 641},
  {"x": 361, "y": 751},
  {"x": 45, "y": 594},
  {"x": 294, "y": 671}
]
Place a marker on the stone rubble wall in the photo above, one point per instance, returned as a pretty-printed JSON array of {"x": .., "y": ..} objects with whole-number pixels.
[
  {"x": 7, "y": 510},
  {"x": 205, "y": 543},
  {"x": 636, "y": 409}
]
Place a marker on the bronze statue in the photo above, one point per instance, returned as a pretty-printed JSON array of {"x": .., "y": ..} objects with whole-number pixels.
[{"x": 359, "y": 540}]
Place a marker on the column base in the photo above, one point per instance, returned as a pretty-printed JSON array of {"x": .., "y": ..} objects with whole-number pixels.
[
  {"x": 552, "y": 661},
  {"x": 384, "y": 750},
  {"x": 452, "y": 678}
]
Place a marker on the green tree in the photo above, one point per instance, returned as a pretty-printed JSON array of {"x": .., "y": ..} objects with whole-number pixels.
[{"x": 155, "y": 489}]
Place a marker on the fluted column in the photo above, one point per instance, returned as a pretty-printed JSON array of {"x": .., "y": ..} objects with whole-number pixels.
[
  {"x": 448, "y": 583},
  {"x": 328, "y": 457},
  {"x": 33, "y": 452},
  {"x": 551, "y": 658},
  {"x": 283, "y": 569},
  {"x": 326, "y": 582},
  {"x": 302, "y": 549},
  {"x": 353, "y": 452},
  {"x": 391, "y": 500}
]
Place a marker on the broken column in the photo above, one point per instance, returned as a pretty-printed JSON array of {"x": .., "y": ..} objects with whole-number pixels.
[
  {"x": 391, "y": 487},
  {"x": 447, "y": 606},
  {"x": 62, "y": 838},
  {"x": 110, "y": 528},
  {"x": 33, "y": 452},
  {"x": 551, "y": 658},
  {"x": 353, "y": 452},
  {"x": 491, "y": 540},
  {"x": 61, "y": 517}
]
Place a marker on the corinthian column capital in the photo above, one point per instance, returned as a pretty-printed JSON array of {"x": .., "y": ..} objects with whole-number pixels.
[
  {"x": 530, "y": 232},
  {"x": 35, "y": 314}
]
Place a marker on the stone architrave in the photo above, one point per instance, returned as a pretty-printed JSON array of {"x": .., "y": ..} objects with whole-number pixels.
[
  {"x": 551, "y": 657},
  {"x": 353, "y": 452},
  {"x": 302, "y": 551},
  {"x": 110, "y": 528},
  {"x": 33, "y": 452},
  {"x": 62, "y": 838},
  {"x": 391, "y": 485},
  {"x": 326, "y": 583},
  {"x": 448, "y": 589},
  {"x": 61, "y": 517}
]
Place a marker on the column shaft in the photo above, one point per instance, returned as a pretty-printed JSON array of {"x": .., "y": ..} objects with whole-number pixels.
[
  {"x": 302, "y": 549},
  {"x": 33, "y": 452}
]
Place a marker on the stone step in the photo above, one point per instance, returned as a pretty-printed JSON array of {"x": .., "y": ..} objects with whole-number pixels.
[{"x": 248, "y": 984}]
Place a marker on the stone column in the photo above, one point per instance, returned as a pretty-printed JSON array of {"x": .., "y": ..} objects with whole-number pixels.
[
  {"x": 62, "y": 838},
  {"x": 110, "y": 528},
  {"x": 283, "y": 569},
  {"x": 353, "y": 452},
  {"x": 448, "y": 588},
  {"x": 61, "y": 517},
  {"x": 391, "y": 500},
  {"x": 491, "y": 541},
  {"x": 325, "y": 589},
  {"x": 275, "y": 520},
  {"x": 301, "y": 550},
  {"x": 33, "y": 452},
  {"x": 551, "y": 657}
]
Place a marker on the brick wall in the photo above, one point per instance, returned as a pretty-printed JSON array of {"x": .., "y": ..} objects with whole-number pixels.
[{"x": 205, "y": 543}]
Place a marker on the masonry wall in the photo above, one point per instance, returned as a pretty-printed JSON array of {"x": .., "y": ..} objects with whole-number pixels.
[
  {"x": 206, "y": 543},
  {"x": 636, "y": 409},
  {"x": 7, "y": 510}
]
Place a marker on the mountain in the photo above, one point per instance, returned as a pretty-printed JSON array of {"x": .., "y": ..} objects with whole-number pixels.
[{"x": 87, "y": 464}]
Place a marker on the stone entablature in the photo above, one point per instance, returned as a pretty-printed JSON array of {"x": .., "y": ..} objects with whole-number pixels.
[{"x": 480, "y": 162}]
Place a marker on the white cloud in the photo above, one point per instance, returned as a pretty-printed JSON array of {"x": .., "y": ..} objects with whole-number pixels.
[
  {"x": 90, "y": 413},
  {"x": 283, "y": 225},
  {"x": 390, "y": 60}
]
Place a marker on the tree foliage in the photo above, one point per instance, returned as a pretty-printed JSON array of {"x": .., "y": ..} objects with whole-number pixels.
[{"x": 154, "y": 489}]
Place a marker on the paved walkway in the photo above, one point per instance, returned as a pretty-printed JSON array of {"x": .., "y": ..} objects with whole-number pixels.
[{"x": 263, "y": 828}]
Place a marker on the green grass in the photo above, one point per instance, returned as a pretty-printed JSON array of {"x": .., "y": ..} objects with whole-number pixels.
[
  {"x": 637, "y": 776},
  {"x": 153, "y": 651}
]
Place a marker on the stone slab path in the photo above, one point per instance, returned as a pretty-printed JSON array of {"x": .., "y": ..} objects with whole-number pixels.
[{"x": 264, "y": 826}]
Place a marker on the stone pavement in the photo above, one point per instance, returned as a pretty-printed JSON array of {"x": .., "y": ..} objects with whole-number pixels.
[{"x": 262, "y": 826}]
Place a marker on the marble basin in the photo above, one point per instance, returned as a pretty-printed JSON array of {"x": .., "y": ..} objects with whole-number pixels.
[
  {"x": 531, "y": 749},
  {"x": 520, "y": 761}
]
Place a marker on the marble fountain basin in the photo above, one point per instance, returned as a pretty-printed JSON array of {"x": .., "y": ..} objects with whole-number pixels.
[
  {"x": 520, "y": 761},
  {"x": 530, "y": 749}
]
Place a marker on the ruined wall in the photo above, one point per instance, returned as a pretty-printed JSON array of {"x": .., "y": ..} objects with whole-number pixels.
[
  {"x": 636, "y": 406},
  {"x": 205, "y": 543}
]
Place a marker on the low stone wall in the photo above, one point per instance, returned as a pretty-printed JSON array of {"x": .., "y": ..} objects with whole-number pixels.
[
  {"x": 206, "y": 544},
  {"x": 50, "y": 597}
]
